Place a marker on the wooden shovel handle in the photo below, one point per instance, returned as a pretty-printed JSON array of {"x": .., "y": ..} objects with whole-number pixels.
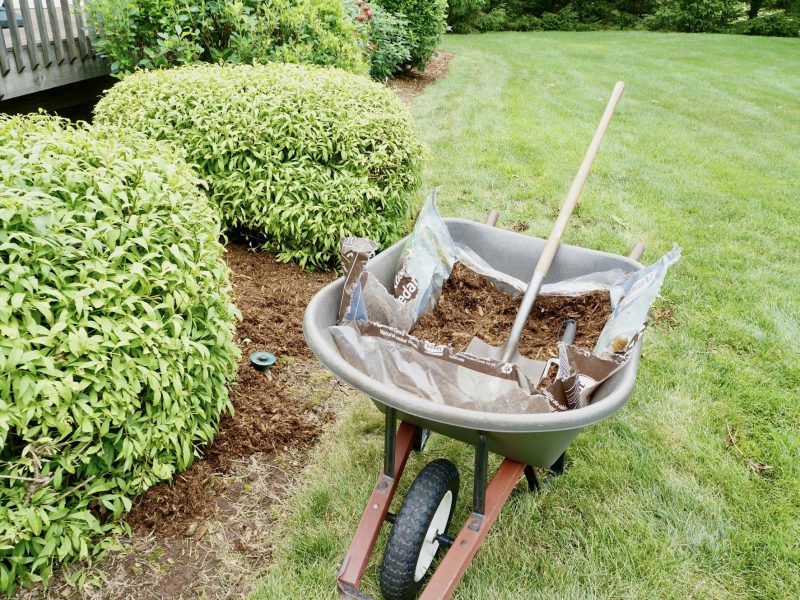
[{"x": 553, "y": 241}]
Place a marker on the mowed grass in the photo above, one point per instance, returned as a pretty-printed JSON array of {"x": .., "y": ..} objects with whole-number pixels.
[{"x": 656, "y": 502}]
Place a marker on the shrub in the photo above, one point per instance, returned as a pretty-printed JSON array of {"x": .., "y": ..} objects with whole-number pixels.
[
  {"x": 564, "y": 20},
  {"x": 297, "y": 155},
  {"x": 426, "y": 25},
  {"x": 776, "y": 24},
  {"x": 692, "y": 15},
  {"x": 494, "y": 20},
  {"x": 117, "y": 335},
  {"x": 385, "y": 38},
  {"x": 467, "y": 16},
  {"x": 154, "y": 34},
  {"x": 526, "y": 23},
  {"x": 461, "y": 14}
]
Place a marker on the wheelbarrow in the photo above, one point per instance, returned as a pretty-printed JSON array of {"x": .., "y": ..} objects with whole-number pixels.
[{"x": 419, "y": 529}]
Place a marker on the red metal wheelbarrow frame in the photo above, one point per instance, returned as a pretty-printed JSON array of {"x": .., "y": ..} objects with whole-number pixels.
[{"x": 488, "y": 500}]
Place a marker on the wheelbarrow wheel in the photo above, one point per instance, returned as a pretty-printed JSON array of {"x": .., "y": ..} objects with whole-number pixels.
[{"x": 413, "y": 543}]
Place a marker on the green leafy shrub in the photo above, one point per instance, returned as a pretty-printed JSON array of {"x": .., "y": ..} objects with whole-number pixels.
[
  {"x": 525, "y": 23},
  {"x": 391, "y": 43},
  {"x": 116, "y": 335},
  {"x": 297, "y": 155},
  {"x": 614, "y": 13},
  {"x": 564, "y": 20},
  {"x": 694, "y": 16},
  {"x": 155, "y": 34},
  {"x": 777, "y": 24},
  {"x": 624, "y": 20},
  {"x": 385, "y": 38},
  {"x": 468, "y": 16},
  {"x": 462, "y": 13},
  {"x": 494, "y": 20},
  {"x": 426, "y": 25}
]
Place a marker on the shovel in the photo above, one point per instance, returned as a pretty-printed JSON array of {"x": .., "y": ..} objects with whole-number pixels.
[{"x": 510, "y": 351}]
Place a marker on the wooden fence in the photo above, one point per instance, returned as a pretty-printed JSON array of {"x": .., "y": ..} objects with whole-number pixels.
[{"x": 47, "y": 44}]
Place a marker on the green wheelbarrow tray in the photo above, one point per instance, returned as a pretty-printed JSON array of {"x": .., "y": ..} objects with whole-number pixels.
[{"x": 532, "y": 439}]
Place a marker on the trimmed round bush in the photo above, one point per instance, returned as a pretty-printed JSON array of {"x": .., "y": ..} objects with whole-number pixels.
[
  {"x": 296, "y": 156},
  {"x": 116, "y": 335}
]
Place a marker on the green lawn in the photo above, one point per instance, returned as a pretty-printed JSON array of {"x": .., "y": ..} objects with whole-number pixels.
[{"x": 655, "y": 502}]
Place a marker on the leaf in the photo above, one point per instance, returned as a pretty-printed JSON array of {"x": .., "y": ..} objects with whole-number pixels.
[
  {"x": 34, "y": 521},
  {"x": 17, "y": 300}
]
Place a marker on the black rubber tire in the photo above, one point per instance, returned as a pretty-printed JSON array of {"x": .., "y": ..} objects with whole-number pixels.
[{"x": 410, "y": 526}]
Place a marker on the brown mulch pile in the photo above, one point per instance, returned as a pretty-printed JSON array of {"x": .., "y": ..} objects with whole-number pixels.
[
  {"x": 272, "y": 298},
  {"x": 410, "y": 85},
  {"x": 470, "y": 306}
]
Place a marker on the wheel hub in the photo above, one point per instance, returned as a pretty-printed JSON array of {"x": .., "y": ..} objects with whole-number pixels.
[{"x": 431, "y": 545}]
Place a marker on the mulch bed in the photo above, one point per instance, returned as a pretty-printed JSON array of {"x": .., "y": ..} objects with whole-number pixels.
[
  {"x": 272, "y": 298},
  {"x": 409, "y": 85},
  {"x": 470, "y": 306}
]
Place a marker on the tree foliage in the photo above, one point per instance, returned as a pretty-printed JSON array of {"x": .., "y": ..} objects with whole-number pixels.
[{"x": 693, "y": 16}]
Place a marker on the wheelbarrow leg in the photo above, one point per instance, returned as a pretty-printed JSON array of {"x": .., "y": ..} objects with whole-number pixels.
[
  {"x": 486, "y": 507},
  {"x": 533, "y": 481},
  {"x": 397, "y": 447},
  {"x": 558, "y": 467}
]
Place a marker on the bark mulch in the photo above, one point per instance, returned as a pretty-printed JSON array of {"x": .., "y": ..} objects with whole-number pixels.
[
  {"x": 410, "y": 84},
  {"x": 470, "y": 306},
  {"x": 272, "y": 298}
]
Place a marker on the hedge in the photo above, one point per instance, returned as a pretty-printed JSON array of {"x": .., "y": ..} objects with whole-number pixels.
[
  {"x": 116, "y": 335},
  {"x": 295, "y": 156},
  {"x": 773, "y": 18},
  {"x": 157, "y": 34}
]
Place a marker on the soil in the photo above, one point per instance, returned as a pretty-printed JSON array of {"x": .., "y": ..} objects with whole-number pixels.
[
  {"x": 409, "y": 85},
  {"x": 471, "y": 306}
]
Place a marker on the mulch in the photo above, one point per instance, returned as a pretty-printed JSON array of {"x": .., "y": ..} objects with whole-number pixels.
[
  {"x": 471, "y": 306},
  {"x": 272, "y": 298},
  {"x": 410, "y": 84}
]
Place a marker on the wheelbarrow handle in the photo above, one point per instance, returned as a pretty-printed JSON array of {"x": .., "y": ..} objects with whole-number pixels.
[{"x": 636, "y": 252}]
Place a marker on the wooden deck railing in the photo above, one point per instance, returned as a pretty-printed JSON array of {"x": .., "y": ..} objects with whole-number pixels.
[{"x": 52, "y": 47}]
